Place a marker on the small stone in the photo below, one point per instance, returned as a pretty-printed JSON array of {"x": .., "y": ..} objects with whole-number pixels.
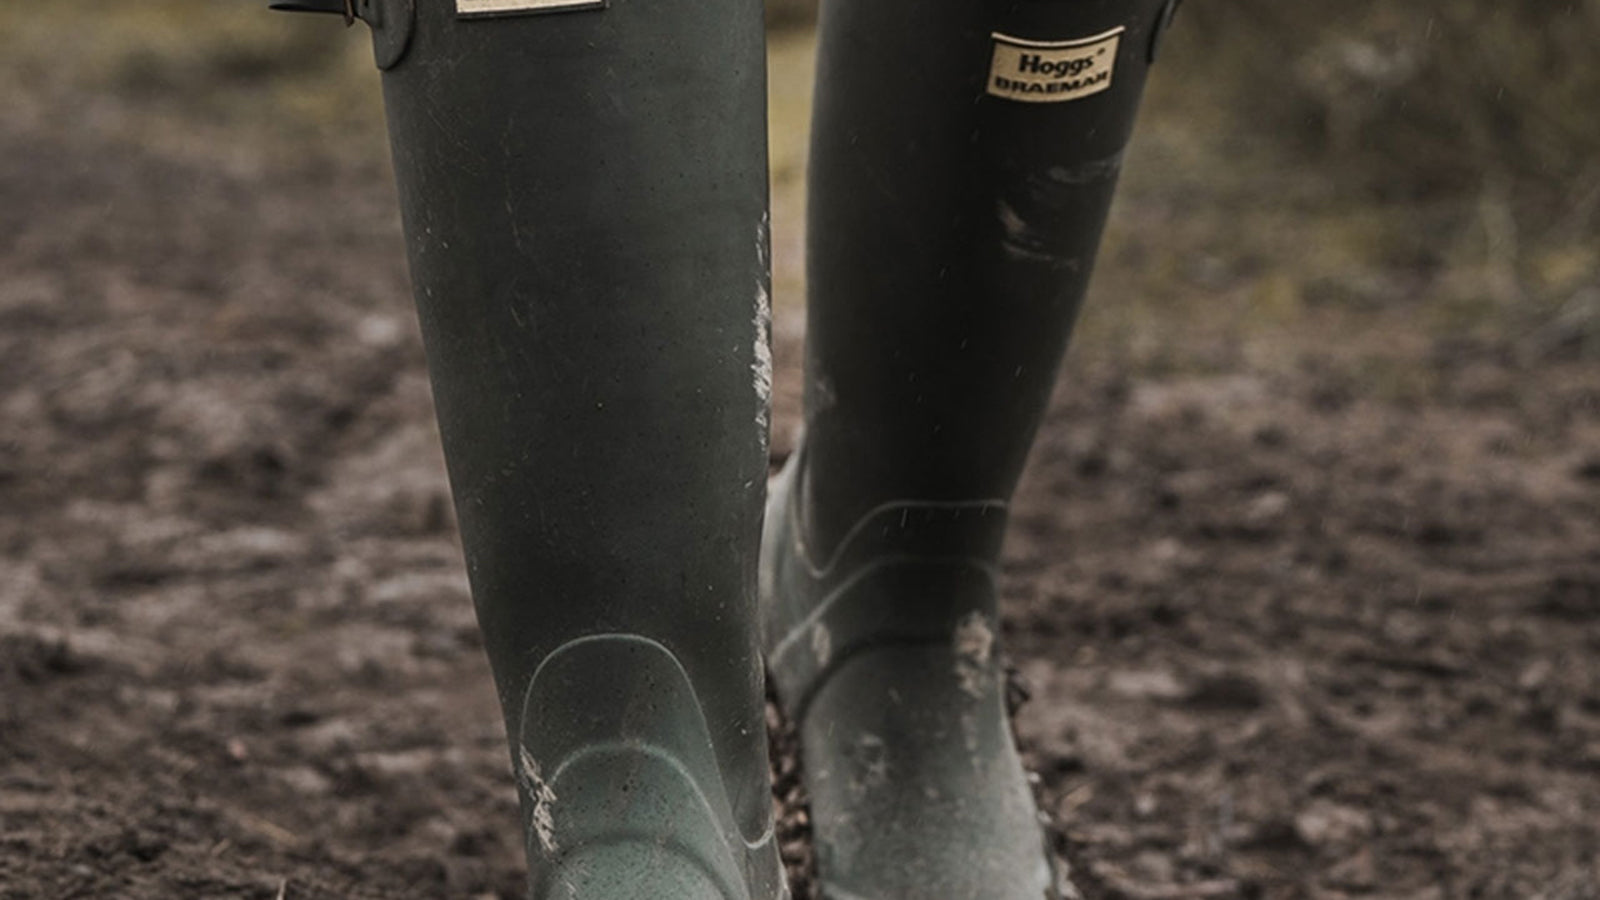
[
  {"x": 1267, "y": 508},
  {"x": 1145, "y": 805},
  {"x": 1535, "y": 676},
  {"x": 1325, "y": 823},
  {"x": 1356, "y": 872},
  {"x": 1151, "y": 684}
]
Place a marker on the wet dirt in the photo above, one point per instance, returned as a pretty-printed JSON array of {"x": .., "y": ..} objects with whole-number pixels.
[{"x": 1284, "y": 636}]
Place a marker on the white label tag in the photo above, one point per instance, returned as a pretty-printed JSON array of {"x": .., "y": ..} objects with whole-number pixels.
[
  {"x": 470, "y": 8},
  {"x": 1053, "y": 71}
]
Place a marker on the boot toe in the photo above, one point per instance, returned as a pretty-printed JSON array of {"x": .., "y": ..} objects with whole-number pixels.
[{"x": 916, "y": 789}]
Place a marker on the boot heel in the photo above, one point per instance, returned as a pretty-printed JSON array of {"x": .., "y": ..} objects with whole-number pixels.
[{"x": 618, "y": 768}]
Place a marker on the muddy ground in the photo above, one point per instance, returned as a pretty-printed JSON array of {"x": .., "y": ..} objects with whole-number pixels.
[{"x": 1306, "y": 596}]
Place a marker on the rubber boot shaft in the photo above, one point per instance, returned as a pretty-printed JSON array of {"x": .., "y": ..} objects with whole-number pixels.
[
  {"x": 584, "y": 198},
  {"x": 951, "y": 239}
]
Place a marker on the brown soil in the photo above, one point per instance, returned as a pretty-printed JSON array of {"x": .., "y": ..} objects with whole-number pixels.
[{"x": 1288, "y": 631}]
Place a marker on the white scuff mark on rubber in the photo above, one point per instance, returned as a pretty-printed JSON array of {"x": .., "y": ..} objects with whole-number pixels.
[
  {"x": 870, "y": 764},
  {"x": 823, "y": 394},
  {"x": 762, "y": 367},
  {"x": 821, "y": 644},
  {"x": 969, "y": 738},
  {"x": 764, "y": 240},
  {"x": 544, "y": 799},
  {"x": 1014, "y": 225},
  {"x": 974, "y": 648},
  {"x": 1022, "y": 242},
  {"x": 1091, "y": 172}
]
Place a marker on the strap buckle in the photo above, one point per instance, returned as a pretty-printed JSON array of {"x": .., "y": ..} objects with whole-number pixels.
[
  {"x": 345, "y": 8},
  {"x": 392, "y": 22}
]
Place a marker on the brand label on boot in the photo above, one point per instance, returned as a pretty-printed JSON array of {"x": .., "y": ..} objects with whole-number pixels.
[
  {"x": 1053, "y": 71},
  {"x": 474, "y": 8}
]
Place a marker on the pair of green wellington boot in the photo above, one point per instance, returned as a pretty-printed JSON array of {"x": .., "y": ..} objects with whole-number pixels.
[{"x": 584, "y": 192}]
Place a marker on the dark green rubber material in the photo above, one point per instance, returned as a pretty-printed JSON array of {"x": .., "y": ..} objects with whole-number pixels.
[
  {"x": 629, "y": 794},
  {"x": 951, "y": 240},
  {"x": 884, "y": 653},
  {"x": 585, "y": 206}
]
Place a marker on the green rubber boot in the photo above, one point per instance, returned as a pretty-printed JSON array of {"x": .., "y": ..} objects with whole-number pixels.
[
  {"x": 964, "y": 159},
  {"x": 585, "y": 204}
]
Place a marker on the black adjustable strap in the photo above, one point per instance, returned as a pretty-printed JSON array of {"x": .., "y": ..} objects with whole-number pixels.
[
  {"x": 346, "y": 8},
  {"x": 392, "y": 21}
]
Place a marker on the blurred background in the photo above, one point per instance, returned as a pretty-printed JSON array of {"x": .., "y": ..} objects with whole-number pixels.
[{"x": 1304, "y": 580}]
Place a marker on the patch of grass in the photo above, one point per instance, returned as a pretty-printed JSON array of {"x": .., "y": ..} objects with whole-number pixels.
[
  {"x": 1307, "y": 170},
  {"x": 163, "y": 68},
  {"x": 790, "y": 59}
]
